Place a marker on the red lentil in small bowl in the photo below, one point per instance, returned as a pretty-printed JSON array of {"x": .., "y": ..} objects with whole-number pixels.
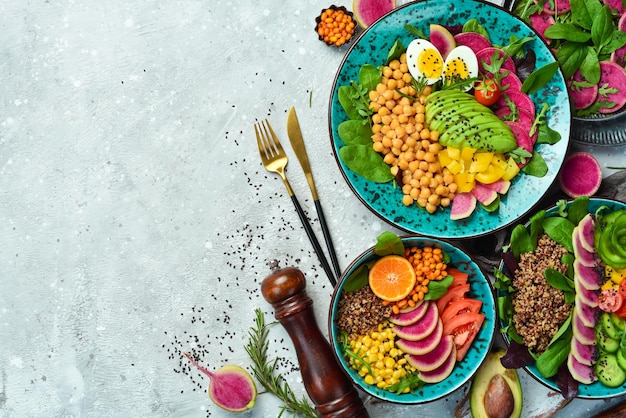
[{"x": 412, "y": 352}]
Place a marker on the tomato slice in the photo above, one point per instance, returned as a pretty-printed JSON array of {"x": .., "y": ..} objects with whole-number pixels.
[
  {"x": 453, "y": 293},
  {"x": 463, "y": 328},
  {"x": 458, "y": 277},
  {"x": 622, "y": 288},
  {"x": 460, "y": 306},
  {"x": 610, "y": 300}
]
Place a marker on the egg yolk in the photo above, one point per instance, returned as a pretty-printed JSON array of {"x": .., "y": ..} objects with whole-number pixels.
[
  {"x": 456, "y": 69},
  {"x": 429, "y": 63}
]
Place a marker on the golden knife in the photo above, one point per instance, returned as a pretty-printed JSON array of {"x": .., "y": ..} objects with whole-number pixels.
[{"x": 297, "y": 143}]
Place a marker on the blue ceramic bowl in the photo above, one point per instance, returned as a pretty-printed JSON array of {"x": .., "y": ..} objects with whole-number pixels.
[
  {"x": 373, "y": 46},
  {"x": 596, "y": 390},
  {"x": 480, "y": 288}
]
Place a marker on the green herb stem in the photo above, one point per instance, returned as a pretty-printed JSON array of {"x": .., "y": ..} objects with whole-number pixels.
[{"x": 264, "y": 371}]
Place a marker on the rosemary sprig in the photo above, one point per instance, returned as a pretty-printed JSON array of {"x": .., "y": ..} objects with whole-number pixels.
[{"x": 264, "y": 371}]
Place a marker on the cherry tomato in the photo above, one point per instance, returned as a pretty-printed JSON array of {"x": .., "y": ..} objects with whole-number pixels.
[
  {"x": 610, "y": 300},
  {"x": 463, "y": 328},
  {"x": 622, "y": 288},
  {"x": 487, "y": 91}
]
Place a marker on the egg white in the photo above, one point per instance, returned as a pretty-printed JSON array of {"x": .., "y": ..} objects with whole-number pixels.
[
  {"x": 461, "y": 62},
  {"x": 413, "y": 56}
]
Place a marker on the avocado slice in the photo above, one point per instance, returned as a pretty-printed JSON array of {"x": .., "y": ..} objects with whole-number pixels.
[{"x": 487, "y": 373}]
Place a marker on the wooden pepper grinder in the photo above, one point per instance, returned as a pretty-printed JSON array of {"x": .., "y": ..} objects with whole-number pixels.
[{"x": 328, "y": 386}]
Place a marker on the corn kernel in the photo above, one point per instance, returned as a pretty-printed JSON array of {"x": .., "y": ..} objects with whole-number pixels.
[
  {"x": 369, "y": 379},
  {"x": 389, "y": 362}
]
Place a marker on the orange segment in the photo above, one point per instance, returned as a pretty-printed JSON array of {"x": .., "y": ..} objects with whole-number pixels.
[{"x": 392, "y": 278}]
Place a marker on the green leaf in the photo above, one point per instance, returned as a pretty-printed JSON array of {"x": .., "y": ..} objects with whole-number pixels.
[
  {"x": 358, "y": 279},
  {"x": 557, "y": 279},
  {"x": 583, "y": 12},
  {"x": 516, "y": 45},
  {"x": 364, "y": 161},
  {"x": 618, "y": 40},
  {"x": 397, "y": 49},
  {"x": 345, "y": 94},
  {"x": 438, "y": 288},
  {"x": 602, "y": 28},
  {"x": 473, "y": 25},
  {"x": 354, "y": 132},
  {"x": 388, "y": 243},
  {"x": 520, "y": 241},
  {"x": 549, "y": 361},
  {"x": 539, "y": 78},
  {"x": 536, "y": 166},
  {"x": 577, "y": 210},
  {"x": 418, "y": 33},
  {"x": 570, "y": 56},
  {"x": 568, "y": 32},
  {"x": 590, "y": 67},
  {"x": 560, "y": 230},
  {"x": 535, "y": 227},
  {"x": 369, "y": 77}
]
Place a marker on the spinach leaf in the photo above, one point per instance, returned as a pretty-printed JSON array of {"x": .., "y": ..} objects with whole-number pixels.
[
  {"x": 417, "y": 32},
  {"x": 536, "y": 166},
  {"x": 364, "y": 161},
  {"x": 438, "y": 288},
  {"x": 583, "y": 12},
  {"x": 397, "y": 49},
  {"x": 473, "y": 25},
  {"x": 520, "y": 241},
  {"x": 354, "y": 132},
  {"x": 560, "y": 230},
  {"x": 345, "y": 95},
  {"x": 557, "y": 280},
  {"x": 570, "y": 55},
  {"x": 358, "y": 279},
  {"x": 567, "y": 31},
  {"x": 602, "y": 28},
  {"x": 369, "y": 77},
  {"x": 536, "y": 227},
  {"x": 388, "y": 243},
  {"x": 549, "y": 361},
  {"x": 516, "y": 45},
  {"x": 590, "y": 67},
  {"x": 539, "y": 78},
  {"x": 577, "y": 209}
]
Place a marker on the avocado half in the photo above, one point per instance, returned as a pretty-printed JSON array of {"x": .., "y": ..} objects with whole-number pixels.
[{"x": 491, "y": 367}]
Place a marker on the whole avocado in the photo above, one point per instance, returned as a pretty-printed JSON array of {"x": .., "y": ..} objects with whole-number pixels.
[{"x": 496, "y": 391}]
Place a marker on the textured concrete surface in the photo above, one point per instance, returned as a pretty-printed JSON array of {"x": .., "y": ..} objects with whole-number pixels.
[{"x": 136, "y": 221}]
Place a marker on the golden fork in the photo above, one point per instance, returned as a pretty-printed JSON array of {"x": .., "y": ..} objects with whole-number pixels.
[{"x": 275, "y": 160}]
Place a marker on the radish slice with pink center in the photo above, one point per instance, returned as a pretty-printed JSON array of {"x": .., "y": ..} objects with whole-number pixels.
[
  {"x": 582, "y": 95},
  {"x": 580, "y": 175}
]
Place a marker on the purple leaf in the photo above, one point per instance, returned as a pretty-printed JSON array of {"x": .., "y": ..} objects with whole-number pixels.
[
  {"x": 510, "y": 262},
  {"x": 566, "y": 383},
  {"x": 516, "y": 356}
]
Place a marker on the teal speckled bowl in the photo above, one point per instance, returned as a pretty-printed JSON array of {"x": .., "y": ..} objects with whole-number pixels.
[
  {"x": 525, "y": 191},
  {"x": 480, "y": 288},
  {"x": 595, "y": 390}
]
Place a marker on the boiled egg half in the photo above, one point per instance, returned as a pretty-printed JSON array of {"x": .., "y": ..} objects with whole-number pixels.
[{"x": 425, "y": 62}]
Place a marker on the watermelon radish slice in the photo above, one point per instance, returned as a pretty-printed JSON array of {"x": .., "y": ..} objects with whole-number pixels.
[
  {"x": 580, "y": 175},
  {"x": 587, "y": 315},
  {"x": 441, "y": 372},
  {"x": 422, "y": 328},
  {"x": 540, "y": 22},
  {"x": 472, "y": 40},
  {"x": 613, "y": 76},
  {"x": 462, "y": 206},
  {"x": 434, "y": 358},
  {"x": 584, "y": 333},
  {"x": 522, "y": 136},
  {"x": 616, "y": 5},
  {"x": 522, "y": 117},
  {"x": 581, "y": 94},
  {"x": 499, "y": 186},
  {"x": 425, "y": 345},
  {"x": 584, "y": 353},
  {"x": 486, "y": 54},
  {"x": 586, "y": 228},
  {"x": 582, "y": 255},
  {"x": 580, "y": 372},
  {"x": 588, "y": 276},
  {"x": 484, "y": 194},
  {"x": 510, "y": 82},
  {"x": 410, "y": 317},
  {"x": 521, "y": 100},
  {"x": 367, "y": 12},
  {"x": 442, "y": 39}
]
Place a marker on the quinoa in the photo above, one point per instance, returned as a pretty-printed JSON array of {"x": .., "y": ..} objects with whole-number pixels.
[
  {"x": 361, "y": 311},
  {"x": 538, "y": 308}
]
